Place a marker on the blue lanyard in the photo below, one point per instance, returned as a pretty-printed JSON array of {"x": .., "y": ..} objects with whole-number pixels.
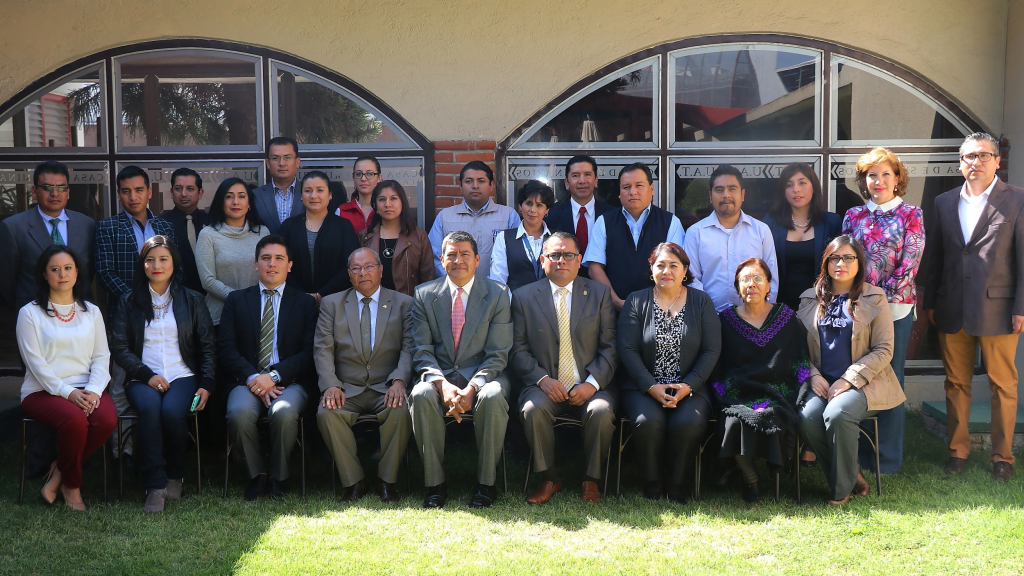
[{"x": 533, "y": 258}]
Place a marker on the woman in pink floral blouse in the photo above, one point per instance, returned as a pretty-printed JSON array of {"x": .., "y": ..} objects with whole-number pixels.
[{"x": 892, "y": 233}]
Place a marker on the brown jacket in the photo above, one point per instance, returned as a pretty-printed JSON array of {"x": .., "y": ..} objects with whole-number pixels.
[
  {"x": 413, "y": 263},
  {"x": 872, "y": 347}
]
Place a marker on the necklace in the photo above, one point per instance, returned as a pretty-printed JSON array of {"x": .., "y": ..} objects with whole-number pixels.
[
  {"x": 65, "y": 319},
  {"x": 389, "y": 247},
  {"x": 668, "y": 310},
  {"x": 805, "y": 224},
  {"x": 160, "y": 310},
  {"x": 318, "y": 224}
]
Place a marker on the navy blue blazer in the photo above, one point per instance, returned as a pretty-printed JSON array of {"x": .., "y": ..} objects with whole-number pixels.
[{"x": 824, "y": 231}]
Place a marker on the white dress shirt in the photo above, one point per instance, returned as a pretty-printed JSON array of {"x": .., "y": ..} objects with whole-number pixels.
[
  {"x": 160, "y": 349},
  {"x": 499, "y": 255},
  {"x": 374, "y": 301},
  {"x": 278, "y": 292},
  {"x": 971, "y": 207},
  {"x": 590, "y": 216},
  {"x": 568, "y": 306},
  {"x": 598, "y": 242},
  {"x": 62, "y": 226}
]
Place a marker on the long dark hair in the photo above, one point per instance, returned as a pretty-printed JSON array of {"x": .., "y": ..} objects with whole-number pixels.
[
  {"x": 782, "y": 211},
  {"x": 823, "y": 285},
  {"x": 42, "y": 298},
  {"x": 405, "y": 218},
  {"x": 217, "y": 215},
  {"x": 140, "y": 283}
]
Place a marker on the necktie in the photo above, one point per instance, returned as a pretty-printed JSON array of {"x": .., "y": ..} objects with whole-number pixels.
[
  {"x": 566, "y": 363},
  {"x": 458, "y": 318},
  {"x": 190, "y": 229},
  {"x": 267, "y": 332},
  {"x": 581, "y": 230},
  {"x": 364, "y": 328},
  {"x": 55, "y": 234}
]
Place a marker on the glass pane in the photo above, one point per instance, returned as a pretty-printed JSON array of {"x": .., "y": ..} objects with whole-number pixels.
[
  {"x": 744, "y": 94},
  {"x": 619, "y": 110},
  {"x": 930, "y": 175},
  {"x": 760, "y": 174},
  {"x": 210, "y": 174},
  {"x": 187, "y": 98},
  {"x": 314, "y": 111},
  {"x": 551, "y": 171},
  {"x": 407, "y": 171},
  {"x": 64, "y": 116},
  {"x": 874, "y": 107}
]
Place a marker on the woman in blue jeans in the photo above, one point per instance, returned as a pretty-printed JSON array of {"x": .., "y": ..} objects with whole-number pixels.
[{"x": 162, "y": 335}]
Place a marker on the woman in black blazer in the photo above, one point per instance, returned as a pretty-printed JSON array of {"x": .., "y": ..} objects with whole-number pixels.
[
  {"x": 801, "y": 227},
  {"x": 319, "y": 242},
  {"x": 669, "y": 339}
]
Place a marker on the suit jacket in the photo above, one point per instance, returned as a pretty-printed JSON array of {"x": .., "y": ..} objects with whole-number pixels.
[
  {"x": 413, "y": 262},
  {"x": 559, "y": 219},
  {"x": 486, "y": 336},
  {"x": 830, "y": 226},
  {"x": 117, "y": 252},
  {"x": 338, "y": 351},
  {"x": 536, "y": 344},
  {"x": 238, "y": 337},
  {"x": 979, "y": 284},
  {"x": 200, "y": 219},
  {"x": 327, "y": 272},
  {"x": 23, "y": 238},
  {"x": 266, "y": 208}
]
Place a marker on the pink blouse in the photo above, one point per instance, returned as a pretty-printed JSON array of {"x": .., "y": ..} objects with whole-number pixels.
[{"x": 893, "y": 245}]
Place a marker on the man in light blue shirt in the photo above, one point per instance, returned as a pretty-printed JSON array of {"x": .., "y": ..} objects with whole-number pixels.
[{"x": 719, "y": 243}]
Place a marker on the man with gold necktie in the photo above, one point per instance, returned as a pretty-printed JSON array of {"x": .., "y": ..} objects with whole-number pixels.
[
  {"x": 188, "y": 219},
  {"x": 563, "y": 349}
]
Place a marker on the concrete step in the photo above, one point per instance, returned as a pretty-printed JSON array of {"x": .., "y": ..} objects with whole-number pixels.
[{"x": 981, "y": 416}]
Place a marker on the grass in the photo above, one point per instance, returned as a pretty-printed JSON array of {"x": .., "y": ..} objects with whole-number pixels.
[{"x": 925, "y": 523}]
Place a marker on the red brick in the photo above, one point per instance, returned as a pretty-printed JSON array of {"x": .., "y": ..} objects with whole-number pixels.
[
  {"x": 485, "y": 145},
  {"x": 451, "y": 145},
  {"x": 453, "y": 191},
  {"x": 444, "y": 157},
  {"x": 471, "y": 156},
  {"x": 447, "y": 168},
  {"x": 443, "y": 201},
  {"x": 444, "y": 179}
]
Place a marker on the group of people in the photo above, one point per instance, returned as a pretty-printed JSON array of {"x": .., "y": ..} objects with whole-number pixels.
[{"x": 285, "y": 298}]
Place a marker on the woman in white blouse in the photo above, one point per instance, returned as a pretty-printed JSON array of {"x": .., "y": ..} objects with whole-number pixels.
[
  {"x": 515, "y": 258},
  {"x": 162, "y": 336},
  {"x": 64, "y": 346}
]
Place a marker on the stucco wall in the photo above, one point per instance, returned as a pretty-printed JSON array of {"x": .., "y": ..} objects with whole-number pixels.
[
  {"x": 1013, "y": 127},
  {"x": 474, "y": 70}
]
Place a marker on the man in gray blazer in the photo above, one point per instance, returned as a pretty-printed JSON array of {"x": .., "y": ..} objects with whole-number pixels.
[
  {"x": 281, "y": 198},
  {"x": 462, "y": 334},
  {"x": 563, "y": 349},
  {"x": 363, "y": 356},
  {"x": 974, "y": 296}
]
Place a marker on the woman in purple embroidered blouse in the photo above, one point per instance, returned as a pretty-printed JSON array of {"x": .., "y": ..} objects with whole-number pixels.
[{"x": 892, "y": 233}]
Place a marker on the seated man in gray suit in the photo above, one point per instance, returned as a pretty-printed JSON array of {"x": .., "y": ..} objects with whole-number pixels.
[
  {"x": 462, "y": 333},
  {"x": 563, "y": 348},
  {"x": 363, "y": 356}
]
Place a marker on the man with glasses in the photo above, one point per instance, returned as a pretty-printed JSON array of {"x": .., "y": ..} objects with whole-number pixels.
[
  {"x": 363, "y": 356},
  {"x": 188, "y": 220},
  {"x": 563, "y": 349},
  {"x": 281, "y": 198},
  {"x": 974, "y": 296}
]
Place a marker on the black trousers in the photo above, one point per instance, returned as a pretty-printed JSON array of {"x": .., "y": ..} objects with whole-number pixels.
[{"x": 666, "y": 440}]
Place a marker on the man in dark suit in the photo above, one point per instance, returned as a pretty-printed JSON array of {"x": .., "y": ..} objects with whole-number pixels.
[
  {"x": 563, "y": 349},
  {"x": 580, "y": 213},
  {"x": 281, "y": 198},
  {"x": 974, "y": 296},
  {"x": 188, "y": 220},
  {"x": 265, "y": 344},
  {"x": 363, "y": 356},
  {"x": 462, "y": 333}
]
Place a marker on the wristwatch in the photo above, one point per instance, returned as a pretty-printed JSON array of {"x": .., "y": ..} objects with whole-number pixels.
[{"x": 275, "y": 376}]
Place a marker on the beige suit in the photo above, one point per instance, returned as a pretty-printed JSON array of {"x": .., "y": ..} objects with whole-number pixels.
[{"x": 364, "y": 376}]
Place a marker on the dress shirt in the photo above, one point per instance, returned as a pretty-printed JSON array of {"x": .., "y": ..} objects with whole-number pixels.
[
  {"x": 589, "y": 216},
  {"x": 278, "y": 292},
  {"x": 484, "y": 225},
  {"x": 62, "y": 356},
  {"x": 160, "y": 349},
  {"x": 971, "y": 207},
  {"x": 499, "y": 255},
  {"x": 62, "y": 226},
  {"x": 715, "y": 252},
  {"x": 599, "y": 236},
  {"x": 283, "y": 201},
  {"x": 477, "y": 382},
  {"x": 142, "y": 231},
  {"x": 374, "y": 301},
  {"x": 568, "y": 306},
  {"x": 899, "y": 311}
]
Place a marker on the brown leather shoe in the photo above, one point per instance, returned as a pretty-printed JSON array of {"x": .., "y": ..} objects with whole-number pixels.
[
  {"x": 590, "y": 493},
  {"x": 955, "y": 465},
  {"x": 544, "y": 492},
  {"x": 839, "y": 502},
  {"x": 1002, "y": 471},
  {"x": 861, "y": 487}
]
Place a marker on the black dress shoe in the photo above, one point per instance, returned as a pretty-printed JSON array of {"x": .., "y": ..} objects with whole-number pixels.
[
  {"x": 483, "y": 496},
  {"x": 354, "y": 492},
  {"x": 652, "y": 494},
  {"x": 388, "y": 492},
  {"x": 750, "y": 493},
  {"x": 278, "y": 488},
  {"x": 257, "y": 487},
  {"x": 436, "y": 496}
]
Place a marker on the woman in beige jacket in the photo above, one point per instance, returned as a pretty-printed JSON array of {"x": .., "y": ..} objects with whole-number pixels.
[
  {"x": 404, "y": 249},
  {"x": 850, "y": 342}
]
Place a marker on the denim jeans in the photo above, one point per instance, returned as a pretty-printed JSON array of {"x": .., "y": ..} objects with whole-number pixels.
[{"x": 161, "y": 432}]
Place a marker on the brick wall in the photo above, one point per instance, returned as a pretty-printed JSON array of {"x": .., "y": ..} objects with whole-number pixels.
[
  {"x": 1004, "y": 162},
  {"x": 449, "y": 158}
]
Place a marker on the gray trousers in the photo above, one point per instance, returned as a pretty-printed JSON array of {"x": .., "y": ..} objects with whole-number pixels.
[
  {"x": 537, "y": 411},
  {"x": 244, "y": 408},
  {"x": 490, "y": 418},
  {"x": 336, "y": 428},
  {"x": 832, "y": 430}
]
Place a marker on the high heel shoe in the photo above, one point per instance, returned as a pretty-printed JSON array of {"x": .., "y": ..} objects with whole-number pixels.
[
  {"x": 78, "y": 506},
  {"x": 49, "y": 497}
]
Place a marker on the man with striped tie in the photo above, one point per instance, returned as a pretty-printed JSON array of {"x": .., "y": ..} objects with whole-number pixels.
[
  {"x": 265, "y": 344},
  {"x": 563, "y": 349}
]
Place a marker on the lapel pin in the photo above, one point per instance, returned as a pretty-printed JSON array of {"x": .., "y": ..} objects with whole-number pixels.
[
  {"x": 584, "y": 292},
  {"x": 385, "y": 306}
]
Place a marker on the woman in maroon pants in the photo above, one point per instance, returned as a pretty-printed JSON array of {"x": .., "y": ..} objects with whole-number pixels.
[{"x": 64, "y": 346}]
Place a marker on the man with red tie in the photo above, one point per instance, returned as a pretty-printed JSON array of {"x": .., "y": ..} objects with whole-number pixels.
[{"x": 578, "y": 215}]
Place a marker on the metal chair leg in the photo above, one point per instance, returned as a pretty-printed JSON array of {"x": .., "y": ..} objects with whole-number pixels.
[
  {"x": 878, "y": 460},
  {"x": 334, "y": 476},
  {"x": 622, "y": 446},
  {"x": 607, "y": 469},
  {"x": 696, "y": 477},
  {"x": 227, "y": 460},
  {"x": 504, "y": 470},
  {"x": 199, "y": 459},
  {"x": 408, "y": 471},
  {"x": 302, "y": 446},
  {"x": 777, "y": 480},
  {"x": 24, "y": 454},
  {"x": 120, "y": 459},
  {"x": 796, "y": 469},
  {"x": 529, "y": 465},
  {"x": 104, "y": 450}
]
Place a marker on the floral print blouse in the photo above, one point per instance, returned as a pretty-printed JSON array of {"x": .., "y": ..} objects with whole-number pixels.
[{"x": 893, "y": 239}]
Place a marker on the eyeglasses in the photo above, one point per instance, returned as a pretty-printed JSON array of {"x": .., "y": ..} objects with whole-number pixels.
[
  {"x": 62, "y": 188},
  {"x": 756, "y": 279},
  {"x": 367, "y": 175},
  {"x": 360, "y": 269},
  {"x": 567, "y": 256},
  {"x": 846, "y": 258},
  {"x": 983, "y": 156},
  {"x": 279, "y": 159}
]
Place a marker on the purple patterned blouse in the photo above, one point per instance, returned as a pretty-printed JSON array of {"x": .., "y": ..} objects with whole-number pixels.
[{"x": 893, "y": 245}]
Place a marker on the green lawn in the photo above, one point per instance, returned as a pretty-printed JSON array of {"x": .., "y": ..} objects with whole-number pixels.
[{"x": 925, "y": 523}]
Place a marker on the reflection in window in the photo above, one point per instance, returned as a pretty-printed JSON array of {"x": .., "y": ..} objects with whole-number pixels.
[
  {"x": 730, "y": 95},
  {"x": 406, "y": 171},
  {"x": 873, "y": 107},
  {"x": 187, "y": 99},
  {"x": 211, "y": 176},
  {"x": 551, "y": 171},
  {"x": 65, "y": 116},
  {"x": 88, "y": 182}
]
